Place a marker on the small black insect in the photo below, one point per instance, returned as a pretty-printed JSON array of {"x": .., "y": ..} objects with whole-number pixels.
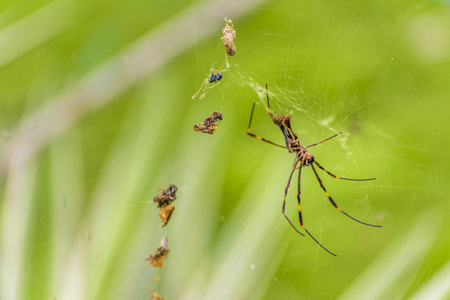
[{"x": 215, "y": 77}]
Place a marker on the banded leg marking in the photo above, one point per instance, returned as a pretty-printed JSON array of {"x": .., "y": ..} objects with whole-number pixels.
[{"x": 334, "y": 203}]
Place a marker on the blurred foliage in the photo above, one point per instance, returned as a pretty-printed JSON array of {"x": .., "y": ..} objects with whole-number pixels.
[{"x": 78, "y": 218}]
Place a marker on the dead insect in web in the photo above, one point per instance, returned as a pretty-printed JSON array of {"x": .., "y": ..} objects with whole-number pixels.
[
  {"x": 229, "y": 34},
  {"x": 302, "y": 159},
  {"x": 167, "y": 196},
  {"x": 215, "y": 77},
  {"x": 164, "y": 202},
  {"x": 211, "y": 80},
  {"x": 165, "y": 213},
  {"x": 157, "y": 259},
  {"x": 155, "y": 296},
  {"x": 209, "y": 125}
]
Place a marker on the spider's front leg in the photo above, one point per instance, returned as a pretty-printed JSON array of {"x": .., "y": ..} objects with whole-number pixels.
[{"x": 258, "y": 137}]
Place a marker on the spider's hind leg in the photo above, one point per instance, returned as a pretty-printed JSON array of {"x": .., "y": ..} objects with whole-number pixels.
[
  {"x": 300, "y": 213},
  {"x": 334, "y": 203},
  {"x": 285, "y": 195}
]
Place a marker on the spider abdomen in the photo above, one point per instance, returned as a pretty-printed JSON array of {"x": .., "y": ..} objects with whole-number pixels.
[{"x": 278, "y": 119}]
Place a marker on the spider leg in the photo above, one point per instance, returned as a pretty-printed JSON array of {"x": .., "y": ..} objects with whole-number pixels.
[
  {"x": 268, "y": 105},
  {"x": 334, "y": 203},
  {"x": 285, "y": 194},
  {"x": 334, "y": 176},
  {"x": 324, "y": 140},
  {"x": 300, "y": 213},
  {"x": 258, "y": 137}
]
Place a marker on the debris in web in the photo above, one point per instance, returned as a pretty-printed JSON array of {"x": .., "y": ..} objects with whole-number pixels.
[
  {"x": 166, "y": 196},
  {"x": 215, "y": 77},
  {"x": 209, "y": 125},
  {"x": 229, "y": 34},
  {"x": 164, "y": 202},
  {"x": 154, "y": 295},
  {"x": 165, "y": 213},
  {"x": 157, "y": 259},
  {"x": 212, "y": 79}
]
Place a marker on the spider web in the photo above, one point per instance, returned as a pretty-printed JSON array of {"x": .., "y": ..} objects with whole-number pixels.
[
  {"x": 376, "y": 71},
  {"x": 335, "y": 68}
]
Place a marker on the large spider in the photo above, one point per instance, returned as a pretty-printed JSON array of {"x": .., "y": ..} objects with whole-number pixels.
[{"x": 304, "y": 159}]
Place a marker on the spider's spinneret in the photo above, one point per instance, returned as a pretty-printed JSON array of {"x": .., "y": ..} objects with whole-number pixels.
[{"x": 306, "y": 158}]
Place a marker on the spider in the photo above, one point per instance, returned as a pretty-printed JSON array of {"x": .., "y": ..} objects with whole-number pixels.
[{"x": 303, "y": 158}]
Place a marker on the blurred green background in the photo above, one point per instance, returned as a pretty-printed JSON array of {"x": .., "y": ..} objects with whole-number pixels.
[{"x": 96, "y": 114}]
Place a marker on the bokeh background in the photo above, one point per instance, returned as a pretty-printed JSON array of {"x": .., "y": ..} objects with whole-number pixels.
[{"x": 96, "y": 114}]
